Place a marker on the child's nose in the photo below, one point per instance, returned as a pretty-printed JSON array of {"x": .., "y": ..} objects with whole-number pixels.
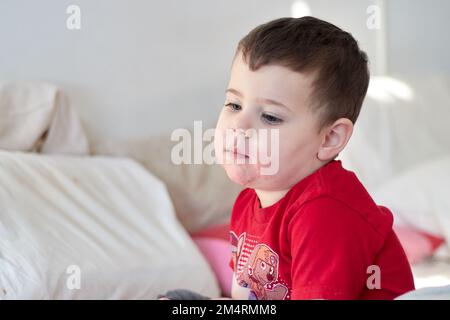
[
  {"x": 243, "y": 123},
  {"x": 244, "y": 133}
]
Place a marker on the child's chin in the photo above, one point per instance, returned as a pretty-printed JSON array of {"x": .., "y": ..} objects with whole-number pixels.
[{"x": 244, "y": 175}]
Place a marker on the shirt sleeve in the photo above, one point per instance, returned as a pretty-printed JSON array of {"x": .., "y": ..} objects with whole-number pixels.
[{"x": 331, "y": 248}]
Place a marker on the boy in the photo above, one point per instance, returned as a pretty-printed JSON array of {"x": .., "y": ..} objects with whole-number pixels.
[{"x": 310, "y": 231}]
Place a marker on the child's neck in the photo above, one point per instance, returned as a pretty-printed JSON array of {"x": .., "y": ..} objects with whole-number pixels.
[{"x": 268, "y": 198}]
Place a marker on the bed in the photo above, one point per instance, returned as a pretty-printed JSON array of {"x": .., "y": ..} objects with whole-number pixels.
[
  {"x": 433, "y": 272},
  {"x": 119, "y": 220}
]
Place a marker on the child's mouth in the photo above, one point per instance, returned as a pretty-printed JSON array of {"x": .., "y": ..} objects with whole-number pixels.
[{"x": 235, "y": 154}]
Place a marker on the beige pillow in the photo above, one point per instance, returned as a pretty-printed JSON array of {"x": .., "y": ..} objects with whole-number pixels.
[{"x": 202, "y": 194}]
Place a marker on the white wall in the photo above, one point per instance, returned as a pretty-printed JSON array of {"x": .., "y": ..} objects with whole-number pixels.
[
  {"x": 351, "y": 16},
  {"x": 142, "y": 67},
  {"x": 418, "y": 38}
]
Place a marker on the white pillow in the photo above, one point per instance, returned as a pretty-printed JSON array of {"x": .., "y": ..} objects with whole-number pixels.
[
  {"x": 202, "y": 194},
  {"x": 108, "y": 217},
  {"x": 420, "y": 197},
  {"x": 403, "y": 122},
  {"x": 37, "y": 116}
]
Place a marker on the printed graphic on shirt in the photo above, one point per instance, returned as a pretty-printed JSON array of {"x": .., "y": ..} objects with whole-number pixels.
[{"x": 256, "y": 267}]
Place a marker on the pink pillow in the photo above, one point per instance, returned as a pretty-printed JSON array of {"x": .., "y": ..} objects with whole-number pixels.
[
  {"x": 217, "y": 252},
  {"x": 214, "y": 244},
  {"x": 418, "y": 245}
]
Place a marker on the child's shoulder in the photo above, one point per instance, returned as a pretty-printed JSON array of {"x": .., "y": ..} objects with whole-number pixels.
[
  {"x": 336, "y": 195},
  {"x": 330, "y": 212}
]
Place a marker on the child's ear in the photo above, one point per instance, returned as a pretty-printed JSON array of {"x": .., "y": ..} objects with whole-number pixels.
[{"x": 335, "y": 139}]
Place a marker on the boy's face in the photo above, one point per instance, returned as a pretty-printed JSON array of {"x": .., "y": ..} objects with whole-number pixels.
[{"x": 272, "y": 97}]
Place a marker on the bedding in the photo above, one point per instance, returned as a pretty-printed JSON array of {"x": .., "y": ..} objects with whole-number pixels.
[
  {"x": 431, "y": 293},
  {"x": 214, "y": 243},
  {"x": 396, "y": 130},
  {"x": 91, "y": 228},
  {"x": 36, "y": 116},
  {"x": 419, "y": 198},
  {"x": 202, "y": 194},
  {"x": 432, "y": 272},
  {"x": 418, "y": 245}
]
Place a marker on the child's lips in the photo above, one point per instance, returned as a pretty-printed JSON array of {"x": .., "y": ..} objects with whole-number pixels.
[{"x": 236, "y": 154}]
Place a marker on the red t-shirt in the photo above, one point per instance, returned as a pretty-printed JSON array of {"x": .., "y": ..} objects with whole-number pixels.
[{"x": 325, "y": 239}]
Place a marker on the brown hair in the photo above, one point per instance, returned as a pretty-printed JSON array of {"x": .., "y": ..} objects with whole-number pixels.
[{"x": 310, "y": 44}]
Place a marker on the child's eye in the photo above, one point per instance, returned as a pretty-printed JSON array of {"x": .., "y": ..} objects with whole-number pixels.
[
  {"x": 233, "y": 106},
  {"x": 271, "y": 119}
]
